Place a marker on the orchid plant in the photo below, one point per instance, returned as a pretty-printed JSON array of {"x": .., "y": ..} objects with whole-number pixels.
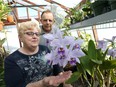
[
  {"x": 95, "y": 63},
  {"x": 64, "y": 49},
  {"x": 97, "y": 67}
]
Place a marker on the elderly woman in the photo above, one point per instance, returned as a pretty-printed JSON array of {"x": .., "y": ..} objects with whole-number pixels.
[{"x": 27, "y": 67}]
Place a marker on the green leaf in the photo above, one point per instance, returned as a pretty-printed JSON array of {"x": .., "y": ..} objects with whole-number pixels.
[
  {"x": 2, "y": 41},
  {"x": 75, "y": 76},
  {"x": 108, "y": 64},
  {"x": 104, "y": 55},
  {"x": 80, "y": 68},
  {"x": 99, "y": 54},
  {"x": 97, "y": 61},
  {"x": 87, "y": 64},
  {"x": 92, "y": 50}
]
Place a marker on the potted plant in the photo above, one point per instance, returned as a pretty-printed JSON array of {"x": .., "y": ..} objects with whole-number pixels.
[
  {"x": 98, "y": 67},
  {"x": 10, "y": 18},
  {"x": 1, "y": 25},
  {"x": 95, "y": 61},
  {"x": 88, "y": 12},
  {"x": 100, "y": 7},
  {"x": 3, "y": 54},
  {"x": 112, "y": 4},
  {"x": 4, "y": 10},
  {"x": 76, "y": 15}
]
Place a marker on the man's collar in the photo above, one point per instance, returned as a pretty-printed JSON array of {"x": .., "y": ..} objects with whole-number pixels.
[{"x": 45, "y": 30}]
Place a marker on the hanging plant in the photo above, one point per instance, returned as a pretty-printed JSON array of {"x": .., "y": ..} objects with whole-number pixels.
[{"x": 4, "y": 10}]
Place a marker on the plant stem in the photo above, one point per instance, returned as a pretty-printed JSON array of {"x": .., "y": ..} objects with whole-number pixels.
[
  {"x": 109, "y": 78},
  {"x": 102, "y": 78}
]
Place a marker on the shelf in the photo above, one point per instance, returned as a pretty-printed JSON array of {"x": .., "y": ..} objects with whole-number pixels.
[{"x": 104, "y": 18}]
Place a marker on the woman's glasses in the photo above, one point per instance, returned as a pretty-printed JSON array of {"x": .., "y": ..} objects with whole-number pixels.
[{"x": 32, "y": 33}]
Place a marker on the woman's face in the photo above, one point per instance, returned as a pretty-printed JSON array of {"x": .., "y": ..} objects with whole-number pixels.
[{"x": 30, "y": 38}]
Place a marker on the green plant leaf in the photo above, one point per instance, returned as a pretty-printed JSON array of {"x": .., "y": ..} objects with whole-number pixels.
[
  {"x": 75, "y": 76},
  {"x": 97, "y": 61},
  {"x": 87, "y": 64},
  {"x": 105, "y": 53},
  {"x": 92, "y": 50},
  {"x": 2, "y": 41},
  {"x": 99, "y": 54},
  {"x": 80, "y": 68},
  {"x": 108, "y": 64}
]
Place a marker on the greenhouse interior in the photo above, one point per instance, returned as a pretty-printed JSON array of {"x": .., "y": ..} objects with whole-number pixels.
[{"x": 89, "y": 25}]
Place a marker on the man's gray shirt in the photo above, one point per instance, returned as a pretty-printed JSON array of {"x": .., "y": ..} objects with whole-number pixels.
[{"x": 44, "y": 41}]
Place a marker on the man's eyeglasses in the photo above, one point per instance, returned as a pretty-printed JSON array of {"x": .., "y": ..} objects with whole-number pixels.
[{"x": 32, "y": 33}]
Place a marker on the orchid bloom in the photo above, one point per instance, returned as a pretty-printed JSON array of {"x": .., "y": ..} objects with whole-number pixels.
[
  {"x": 112, "y": 41},
  {"x": 102, "y": 45},
  {"x": 54, "y": 35},
  {"x": 112, "y": 52},
  {"x": 65, "y": 49},
  {"x": 64, "y": 54}
]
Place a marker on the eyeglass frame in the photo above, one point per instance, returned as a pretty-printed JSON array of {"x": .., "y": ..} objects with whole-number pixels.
[{"x": 33, "y": 33}]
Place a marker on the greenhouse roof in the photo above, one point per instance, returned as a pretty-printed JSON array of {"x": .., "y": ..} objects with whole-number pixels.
[{"x": 33, "y": 8}]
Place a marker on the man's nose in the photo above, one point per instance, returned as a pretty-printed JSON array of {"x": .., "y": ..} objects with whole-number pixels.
[{"x": 48, "y": 21}]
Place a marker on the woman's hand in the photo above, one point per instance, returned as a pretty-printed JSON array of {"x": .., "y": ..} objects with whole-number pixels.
[
  {"x": 67, "y": 85},
  {"x": 54, "y": 81}
]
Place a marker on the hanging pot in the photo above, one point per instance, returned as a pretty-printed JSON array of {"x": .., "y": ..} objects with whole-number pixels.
[
  {"x": 10, "y": 18},
  {"x": 56, "y": 70},
  {"x": 100, "y": 7},
  {"x": 1, "y": 25},
  {"x": 112, "y": 4}
]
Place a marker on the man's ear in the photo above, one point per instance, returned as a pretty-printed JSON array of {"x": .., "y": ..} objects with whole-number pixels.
[{"x": 41, "y": 20}]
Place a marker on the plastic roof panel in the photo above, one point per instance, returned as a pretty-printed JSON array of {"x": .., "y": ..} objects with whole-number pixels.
[
  {"x": 33, "y": 8},
  {"x": 67, "y": 3}
]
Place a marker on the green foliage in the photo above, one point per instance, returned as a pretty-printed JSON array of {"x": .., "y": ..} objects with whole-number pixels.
[
  {"x": 95, "y": 64},
  {"x": 76, "y": 15},
  {"x": 75, "y": 76},
  {"x": 4, "y": 9},
  {"x": 108, "y": 64},
  {"x": 66, "y": 23},
  {"x": 2, "y": 84},
  {"x": 2, "y": 41},
  {"x": 3, "y": 54}
]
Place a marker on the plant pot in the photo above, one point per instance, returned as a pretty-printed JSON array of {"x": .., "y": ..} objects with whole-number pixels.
[
  {"x": 100, "y": 7},
  {"x": 10, "y": 18},
  {"x": 72, "y": 68},
  {"x": 1, "y": 25},
  {"x": 112, "y": 4},
  {"x": 56, "y": 70}
]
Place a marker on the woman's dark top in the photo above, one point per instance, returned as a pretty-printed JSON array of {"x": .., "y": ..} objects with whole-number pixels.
[{"x": 21, "y": 69}]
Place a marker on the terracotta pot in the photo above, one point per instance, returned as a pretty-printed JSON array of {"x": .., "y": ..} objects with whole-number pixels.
[
  {"x": 10, "y": 18},
  {"x": 1, "y": 25}
]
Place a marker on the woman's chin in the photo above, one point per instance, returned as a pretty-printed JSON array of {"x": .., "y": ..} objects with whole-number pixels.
[{"x": 34, "y": 45}]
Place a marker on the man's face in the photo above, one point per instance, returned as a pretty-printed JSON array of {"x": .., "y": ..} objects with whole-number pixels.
[{"x": 47, "y": 21}]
